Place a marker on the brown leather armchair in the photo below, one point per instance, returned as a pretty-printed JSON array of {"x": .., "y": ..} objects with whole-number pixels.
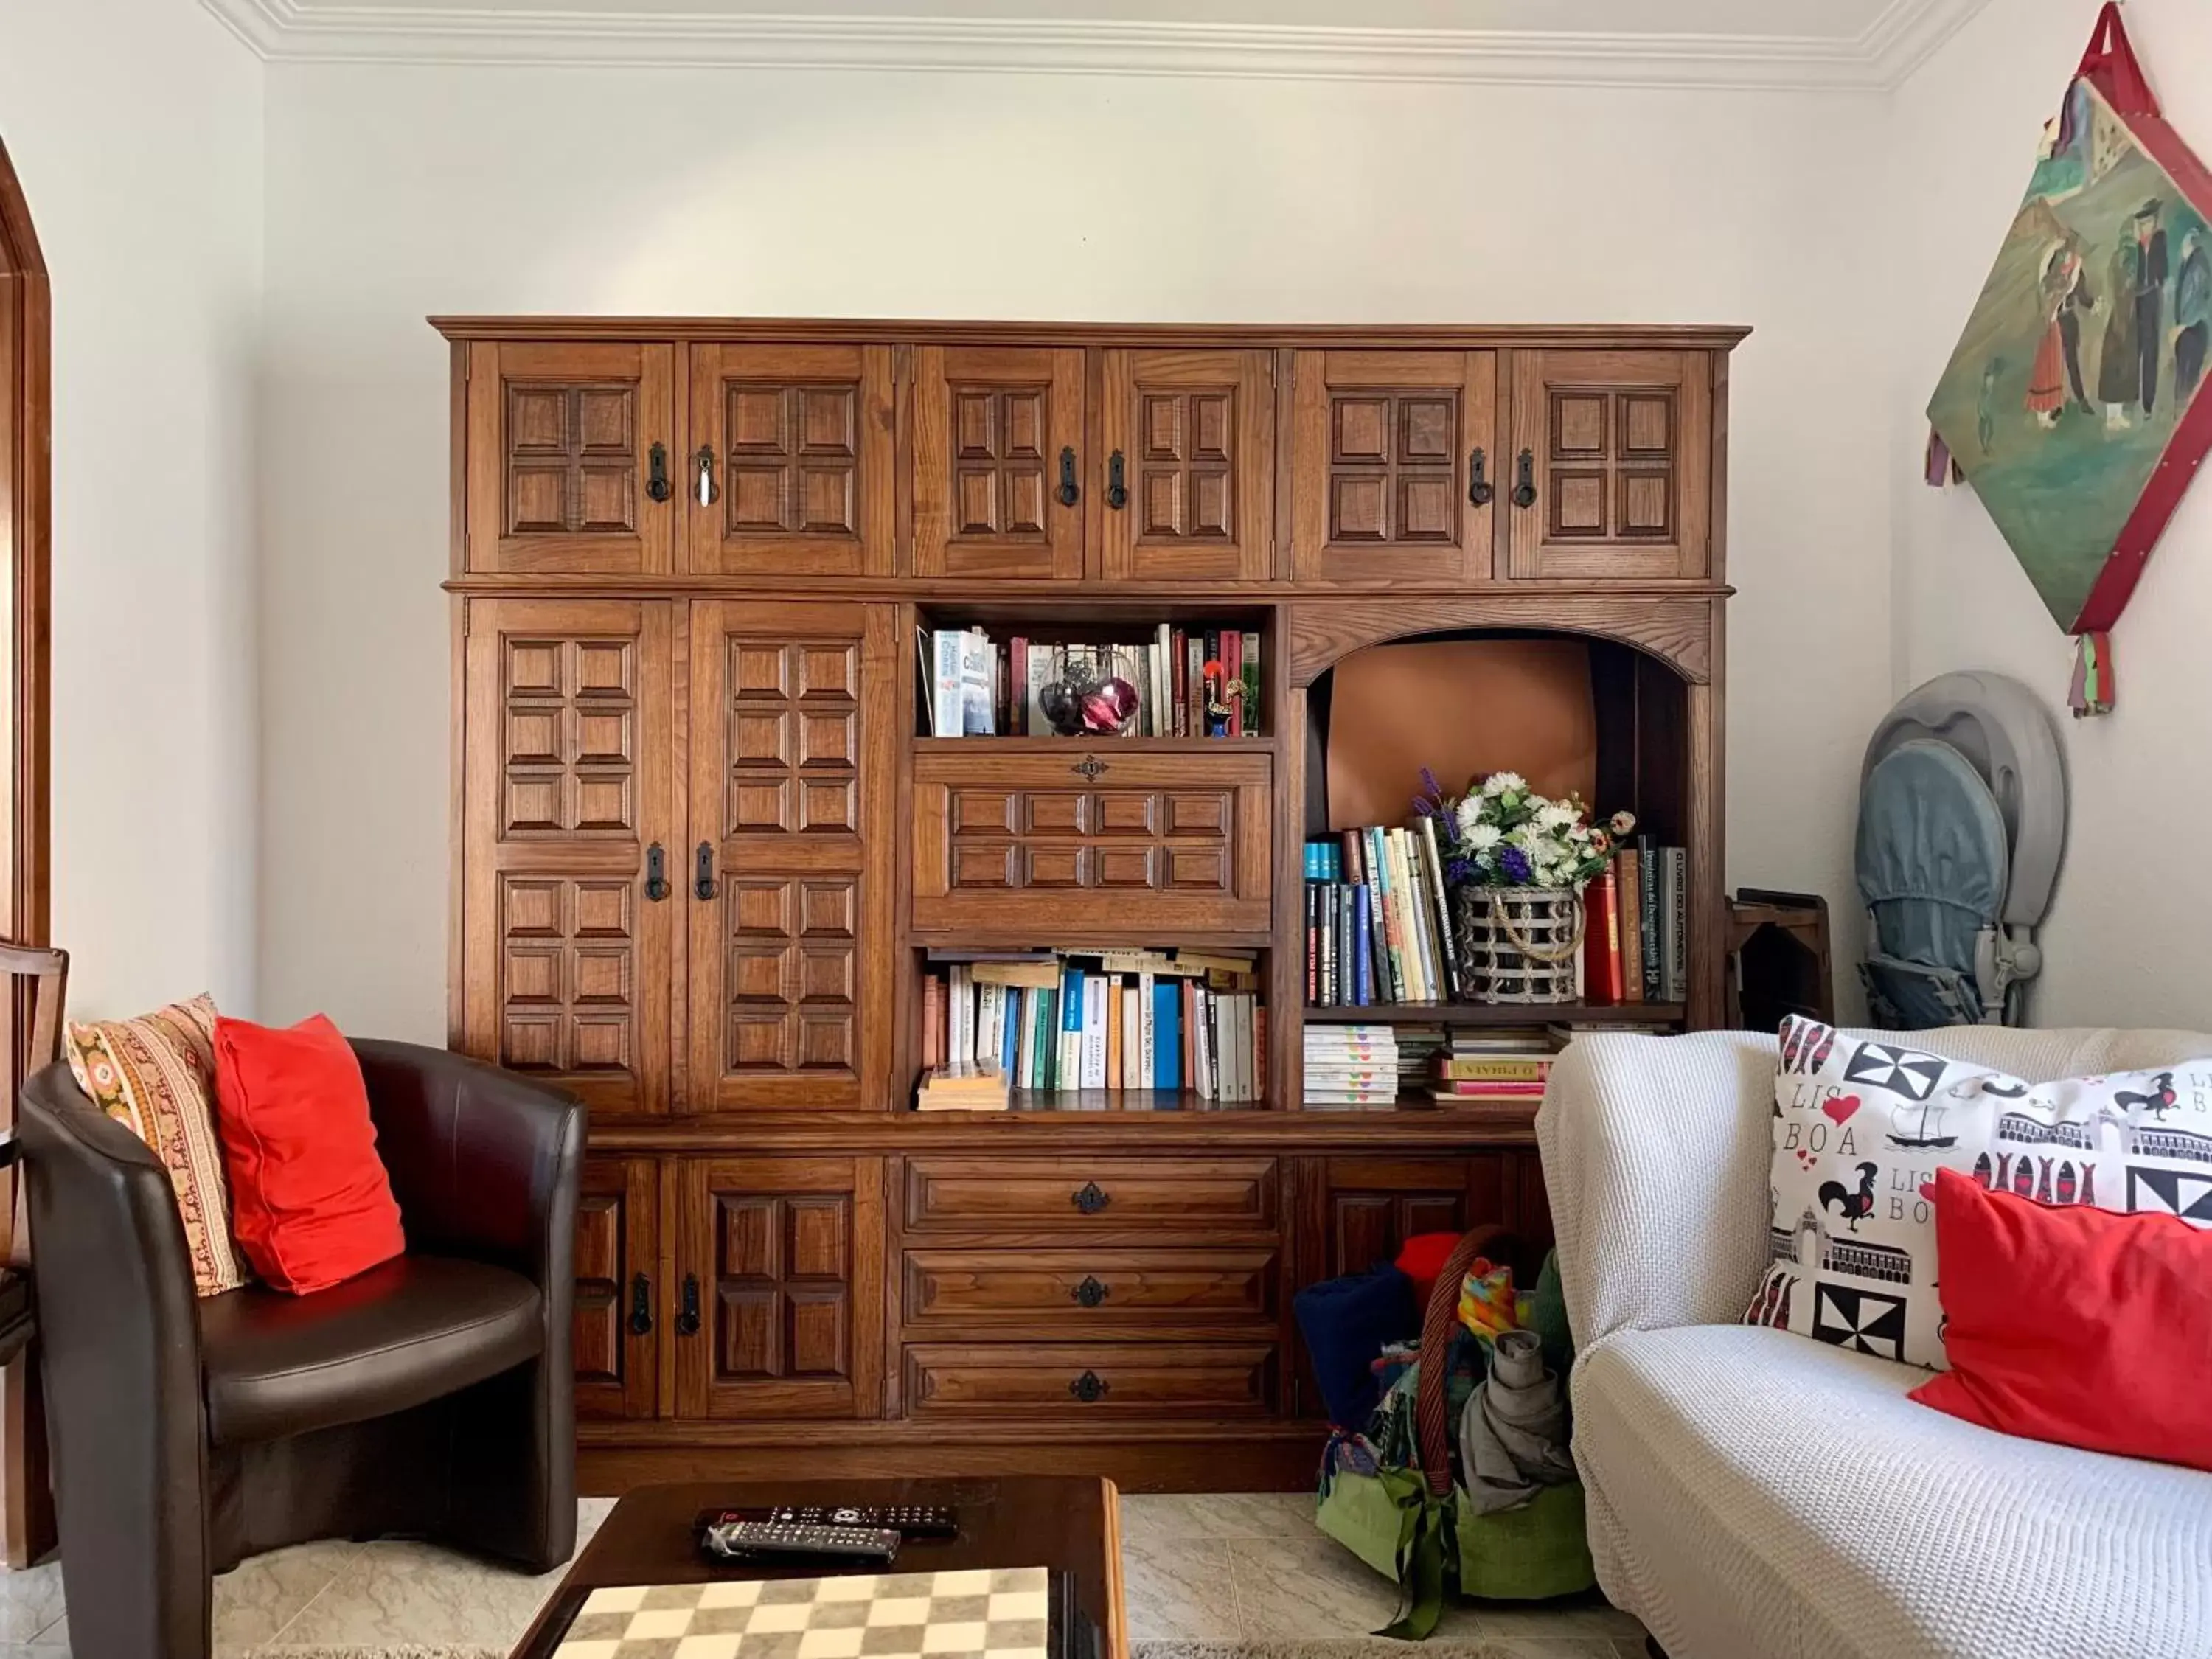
[{"x": 432, "y": 1395}]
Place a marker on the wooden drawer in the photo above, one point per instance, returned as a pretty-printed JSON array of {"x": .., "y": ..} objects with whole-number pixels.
[
  {"x": 1211, "y": 1379},
  {"x": 1090, "y": 1288},
  {"x": 1089, "y": 838},
  {"x": 1096, "y": 1194}
]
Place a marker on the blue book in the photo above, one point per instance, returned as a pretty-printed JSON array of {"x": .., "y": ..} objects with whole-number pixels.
[
  {"x": 1364, "y": 963},
  {"x": 1167, "y": 1034},
  {"x": 1068, "y": 1074},
  {"x": 1010, "y": 1045}
]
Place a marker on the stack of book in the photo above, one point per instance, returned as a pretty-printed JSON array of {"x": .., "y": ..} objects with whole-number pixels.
[
  {"x": 1352, "y": 1066},
  {"x": 1503, "y": 1066},
  {"x": 1061, "y": 1021},
  {"x": 962, "y": 1088},
  {"x": 1418, "y": 1048},
  {"x": 1636, "y": 938},
  {"x": 1195, "y": 683},
  {"x": 1378, "y": 921}
]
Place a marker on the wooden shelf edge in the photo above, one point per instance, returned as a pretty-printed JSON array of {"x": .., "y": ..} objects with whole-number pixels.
[
  {"x": 1031, "y": 745},
  {"x": 1478, "y": 1014}
]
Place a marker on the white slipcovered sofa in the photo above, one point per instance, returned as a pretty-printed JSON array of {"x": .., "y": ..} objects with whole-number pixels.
[{"x": 1757, "y": 1493}]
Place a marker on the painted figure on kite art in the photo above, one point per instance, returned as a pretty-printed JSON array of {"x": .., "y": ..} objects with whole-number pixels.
[{"x": 2086, "y": 346}]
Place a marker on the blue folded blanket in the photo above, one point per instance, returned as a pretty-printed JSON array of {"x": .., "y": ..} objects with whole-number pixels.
[{"x": 1346, "y": 1323}]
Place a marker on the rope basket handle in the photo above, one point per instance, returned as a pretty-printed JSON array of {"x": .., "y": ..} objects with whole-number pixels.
[
  {"x": 1430, "y": 1391},
  {"x": 1550, "y": 955}
]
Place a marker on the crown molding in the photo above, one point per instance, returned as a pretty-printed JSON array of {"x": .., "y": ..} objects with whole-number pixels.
[{"x": 1879, "y": 59}]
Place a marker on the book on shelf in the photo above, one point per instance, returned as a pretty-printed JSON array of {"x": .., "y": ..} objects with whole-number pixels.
[
  {"x": 967, "y": 1087},
  {"x": 1351, "y": 1065},
  {"x": 1186, "y": 682},
  {"x": 1061, "y": 1021},
  {"x": 1379, "y": 926}
]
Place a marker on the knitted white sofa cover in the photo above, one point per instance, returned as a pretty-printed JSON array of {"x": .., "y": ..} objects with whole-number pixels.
[{"x": 1755, "y": 1493}]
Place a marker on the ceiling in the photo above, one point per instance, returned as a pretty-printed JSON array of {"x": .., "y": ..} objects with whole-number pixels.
[{"x": 1831, "y": 44}]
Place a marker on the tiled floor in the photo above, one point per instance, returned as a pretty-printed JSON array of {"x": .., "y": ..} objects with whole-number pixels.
[{"x": 1219, "y": 1569}]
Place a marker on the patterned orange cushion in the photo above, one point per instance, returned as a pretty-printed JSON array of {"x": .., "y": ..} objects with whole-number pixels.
[{"x": 155, "y": 1076}]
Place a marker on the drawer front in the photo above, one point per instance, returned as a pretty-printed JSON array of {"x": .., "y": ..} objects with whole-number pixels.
[
  {"x": 1090, "y": 1288},
  {"x": 1108, "y": 1379},
  {"x": 1097, "y": 1195},
  {"x": 1092, "y": 839}
]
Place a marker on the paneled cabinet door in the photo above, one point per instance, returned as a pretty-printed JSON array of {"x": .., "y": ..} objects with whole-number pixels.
[
  {"x": 787, "y": 881},
  {"x": 790, "y": 473},
  {"x": 570, "y": 811},
  {"x": 1617, "y": 450},
  {"x": 1395, "y": 466},
  {"x": 1372, "y": 1205},
  {"x": 571, "y": 462},
  {"x": 998, "y": 462},
  {"x": 780, "y": 1307},
  {"x": 1188, "y": 489},
  {"x": 621, "y": 1304}
]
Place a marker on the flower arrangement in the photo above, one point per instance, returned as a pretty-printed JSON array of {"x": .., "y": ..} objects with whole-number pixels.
[{"x": 1503, "y": 833}]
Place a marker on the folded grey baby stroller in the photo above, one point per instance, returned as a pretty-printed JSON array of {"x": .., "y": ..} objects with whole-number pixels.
[{"x": 1962, "y": 824}]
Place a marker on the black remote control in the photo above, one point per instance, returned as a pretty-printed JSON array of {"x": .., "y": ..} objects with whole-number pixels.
[
  {"x": 759, "y": 1540},
  {"x": 909, "y": 1520}
]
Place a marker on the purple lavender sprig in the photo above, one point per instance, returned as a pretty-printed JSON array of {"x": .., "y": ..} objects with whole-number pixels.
[{"x": 1515, "y": 864}]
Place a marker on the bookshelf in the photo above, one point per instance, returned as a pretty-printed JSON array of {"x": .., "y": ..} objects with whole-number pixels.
[{"x": 708, "y": 853}]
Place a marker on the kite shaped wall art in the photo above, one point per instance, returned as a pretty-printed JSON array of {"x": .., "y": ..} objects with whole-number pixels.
[{"x": 2076, "y": 401}]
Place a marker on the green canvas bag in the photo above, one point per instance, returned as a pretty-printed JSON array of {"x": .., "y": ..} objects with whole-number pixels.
[{"x": 1414, "y": 1526}]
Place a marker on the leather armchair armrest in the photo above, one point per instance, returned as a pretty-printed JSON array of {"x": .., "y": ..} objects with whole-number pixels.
[{"x": 484, "y": 1164}]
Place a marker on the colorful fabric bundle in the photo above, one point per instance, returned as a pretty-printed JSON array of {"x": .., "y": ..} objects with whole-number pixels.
[{"x": 1487, "y": 1302}]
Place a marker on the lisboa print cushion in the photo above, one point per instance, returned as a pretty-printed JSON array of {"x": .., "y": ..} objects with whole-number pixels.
[{"x": 1860, "y": 1128}]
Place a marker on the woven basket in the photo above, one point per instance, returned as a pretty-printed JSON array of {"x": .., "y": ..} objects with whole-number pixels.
[{"x": 1519, "y": 944}]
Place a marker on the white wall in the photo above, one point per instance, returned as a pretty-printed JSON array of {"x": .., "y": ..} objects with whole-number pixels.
[
  {"x": 2130, "y": 938},
  {"x": 136, "y": 128},
  {"x": 397, "y": 191}
]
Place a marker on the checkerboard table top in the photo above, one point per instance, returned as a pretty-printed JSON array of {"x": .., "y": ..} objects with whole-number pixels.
[{"x": 979, "y": 1613}]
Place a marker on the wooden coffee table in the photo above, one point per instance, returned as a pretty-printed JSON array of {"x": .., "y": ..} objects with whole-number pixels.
[{"x": 1071, "y": 1523}]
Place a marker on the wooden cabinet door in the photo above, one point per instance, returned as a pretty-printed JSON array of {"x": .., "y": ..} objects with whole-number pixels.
[
  {"x": 568, "y": 800},
  {"x": 780, "y": 1313},
  {"x": 621, "y": 1305},
  {"x": 1085, "y": 841},
  {"x": 789, "y": 879},
  {"x": 1374, "y": 1205},
  {"x": 791, "y": 471},
  {"x": 571, "y": 462},
  {"x": 1383, "y": 466},
  {"x": 1618, "y": 450},
  {"x": 1188, "y": 487},
  {"x": 998, "y": 447}
]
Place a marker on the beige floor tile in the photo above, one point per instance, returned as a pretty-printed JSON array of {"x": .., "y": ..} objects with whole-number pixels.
[
  {"x": 30, "y": 1601},
  {"x": 1305, "y": 1587},
  {"x": 1178, "y": 1591},
  {"x": 1165, "y": 1516},
  {"x": 409, "y": 1592},
  {"x": 264, "y": 1593},
  {"x": 1589, "y": 1616}
]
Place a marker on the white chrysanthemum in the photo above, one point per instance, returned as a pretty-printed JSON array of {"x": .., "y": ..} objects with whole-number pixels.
[
  {"x": 1481, "y": 837},
  {"x": 1555, "y": 816},
  {"x": 1468, "y": 815},
  {"x": 1498, "y": 783}
]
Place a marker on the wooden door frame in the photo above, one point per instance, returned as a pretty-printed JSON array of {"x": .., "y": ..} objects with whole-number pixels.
[{"x": 27, "y": 1528}]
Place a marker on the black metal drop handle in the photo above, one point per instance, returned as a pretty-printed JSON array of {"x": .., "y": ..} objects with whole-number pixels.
[
  {"x": 1117, "y": 483},
  {"x": 702, "y": 876},
  {"x": 1090, "y": 1292},
  {"x": 686, "y": 1316},
  {"x": 656, "y": 478},
  {"x": 709, "y": 490},
  {"x": 1069, "y": 495},
  {"x": 641, "y": 1306},
  {"x": 1525, "y": 491},
  {"x": 1088, "y": 1388},
  {"x": 656, "y": 873},
  {"x": 1089, "y": 1198},
  {"x": 1478, "y": 487}
]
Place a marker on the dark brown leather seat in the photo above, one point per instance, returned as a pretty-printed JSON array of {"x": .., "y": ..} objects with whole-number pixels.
[
  {"x": 431, "y": 1396},
  {"x": 396, "y": 1336}
]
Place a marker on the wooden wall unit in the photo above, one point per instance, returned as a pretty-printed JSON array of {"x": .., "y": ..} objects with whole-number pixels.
[{"x": 700, "y": 850}]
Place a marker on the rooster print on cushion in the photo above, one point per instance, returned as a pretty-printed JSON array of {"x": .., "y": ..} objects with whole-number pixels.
[{"x": 1862, "y": 1126}]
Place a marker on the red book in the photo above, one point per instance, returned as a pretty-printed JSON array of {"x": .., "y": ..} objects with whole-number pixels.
[
  {"x": 1491, "y": 1091},
  {"x": 932, "y": 1022},
  {"x": 1601, "y": 973}
]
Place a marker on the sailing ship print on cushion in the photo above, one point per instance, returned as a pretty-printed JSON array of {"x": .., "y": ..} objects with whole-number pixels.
[{"x": 1860, "y": 1128}]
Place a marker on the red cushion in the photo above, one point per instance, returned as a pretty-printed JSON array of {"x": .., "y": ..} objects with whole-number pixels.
[
  {"x": 1421, "y": 1259},
  {"x": 309, "y": 1201},
  {"x": 2075, "y": 1325}
]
